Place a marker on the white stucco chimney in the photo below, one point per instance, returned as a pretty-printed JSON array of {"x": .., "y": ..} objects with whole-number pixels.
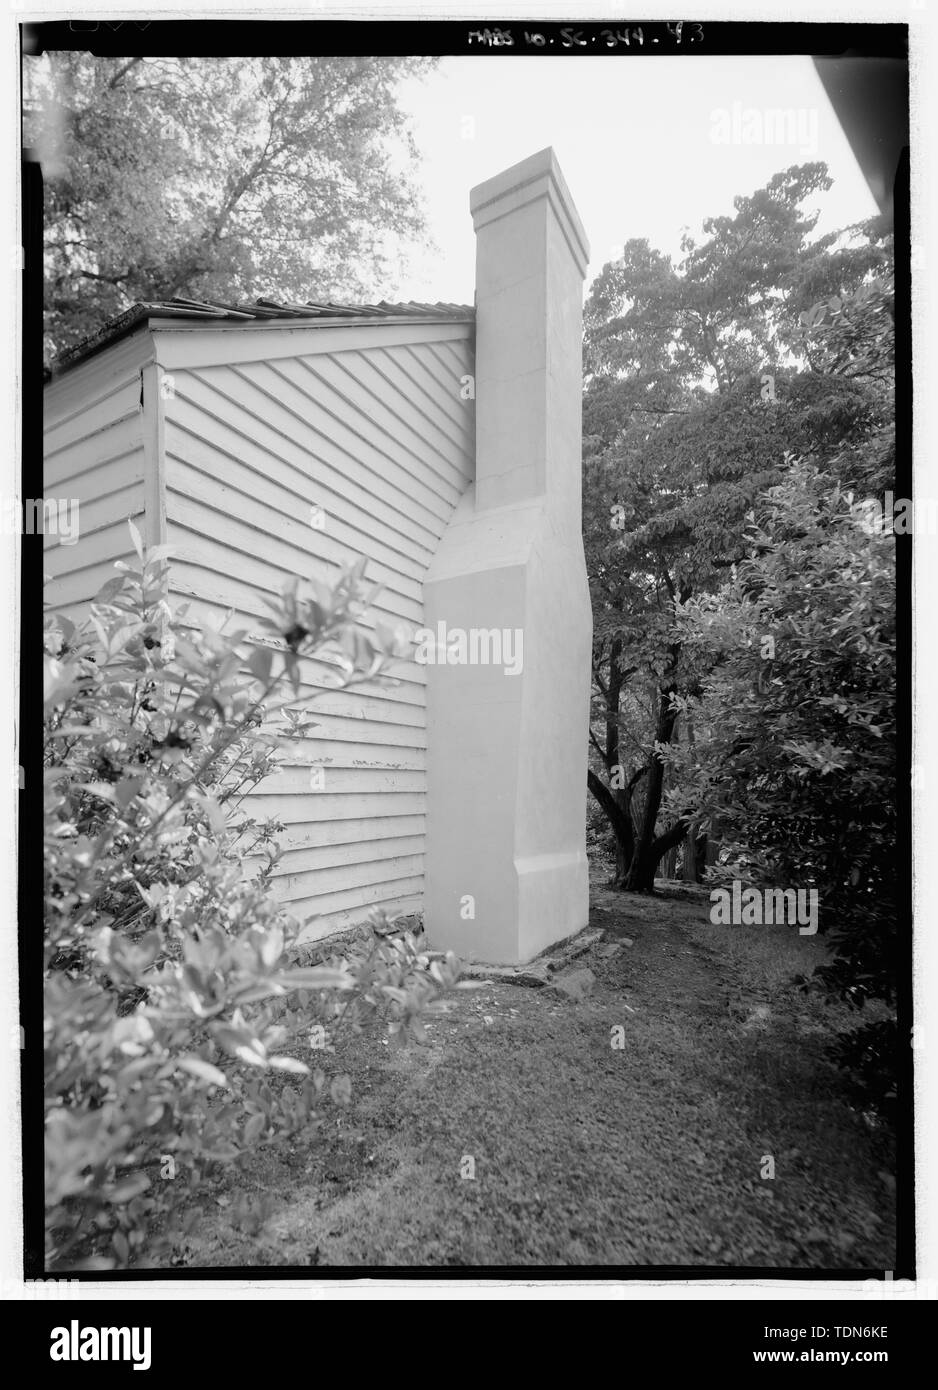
[{"x": 506, "y": 869}]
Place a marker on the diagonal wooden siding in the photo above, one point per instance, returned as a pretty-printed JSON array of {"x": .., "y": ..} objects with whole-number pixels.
[
  {"x": 240, "y": 436},
  {"x": 379, "y": 437}
]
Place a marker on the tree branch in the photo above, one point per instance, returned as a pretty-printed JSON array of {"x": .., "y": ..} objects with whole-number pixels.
[
  {"x": 621, "y": 823},
  {"x": 671, "y": 837},
  {"x": 598, "y": 746},
  {"x": 122, "y": 72}
]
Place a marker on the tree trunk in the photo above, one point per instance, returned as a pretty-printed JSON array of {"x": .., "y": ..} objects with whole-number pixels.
[
  {"x": 619, "y": 819},
  {"x": 689, "y": 870},
  {"x": 615, "y": 801},
  {"x": 641, "y": 875},
  {"x": 637, "y": 856},
  {"x": 700, "y": 857},
  {"x": 648, "y": 851},
  {"x": 623, "y": 859}
]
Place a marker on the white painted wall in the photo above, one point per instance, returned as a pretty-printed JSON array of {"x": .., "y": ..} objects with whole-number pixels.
[
  {"x": 95, "y": 451},
  {"x": 240, "y": 435},
  {"x": 369, "y": 425}
]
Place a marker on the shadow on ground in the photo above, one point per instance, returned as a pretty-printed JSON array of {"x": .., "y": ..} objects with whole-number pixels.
[{"x": 632, "y": 1126}]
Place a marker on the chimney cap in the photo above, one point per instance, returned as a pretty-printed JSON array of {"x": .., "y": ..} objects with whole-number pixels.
[{"x": 538, "y": 176}]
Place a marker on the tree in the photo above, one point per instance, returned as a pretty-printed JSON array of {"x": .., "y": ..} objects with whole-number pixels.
[
  {"x": 697, "y": 400},
  {"x": 799, "y": 704},
  {"x": 218, "y": 178}
]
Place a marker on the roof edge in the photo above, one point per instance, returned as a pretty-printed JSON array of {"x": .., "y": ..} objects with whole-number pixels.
[{"x": 263, "y": 314}]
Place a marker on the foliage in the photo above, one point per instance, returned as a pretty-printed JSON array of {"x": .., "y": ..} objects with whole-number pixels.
[
  {"x": 868, "y": 1056},
  {"x": 706, "y": 380},
  {"x": 286, "y": 177},
  {"x": 173, "y": 992},
  {"x": 654, "y": 328},
  {"x": 800, "y": 758}
]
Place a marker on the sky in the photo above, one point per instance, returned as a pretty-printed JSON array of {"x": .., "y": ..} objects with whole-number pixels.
[{"x": 639, "y": 144}]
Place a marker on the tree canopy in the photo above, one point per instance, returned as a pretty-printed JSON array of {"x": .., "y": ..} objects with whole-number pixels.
[
  {"x": 706, "y": 379},
  {"x": 219, "y": 178}
]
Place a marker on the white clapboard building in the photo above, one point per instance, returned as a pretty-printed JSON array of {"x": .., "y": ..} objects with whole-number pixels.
[{"x": 441, "y": 442}]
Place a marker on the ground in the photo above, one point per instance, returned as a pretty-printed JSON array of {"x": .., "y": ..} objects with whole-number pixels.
[{"x": 585, "y": 1153}]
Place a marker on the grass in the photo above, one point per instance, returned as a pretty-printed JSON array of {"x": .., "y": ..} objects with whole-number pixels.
[{"x": 581, "y": 1153}]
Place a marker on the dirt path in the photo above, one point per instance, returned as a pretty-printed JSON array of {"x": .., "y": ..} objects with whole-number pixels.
[{"x": 523, "y": 1136}]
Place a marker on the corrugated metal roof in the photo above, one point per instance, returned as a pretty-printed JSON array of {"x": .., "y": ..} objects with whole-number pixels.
[{"x": 215, "y": 311}]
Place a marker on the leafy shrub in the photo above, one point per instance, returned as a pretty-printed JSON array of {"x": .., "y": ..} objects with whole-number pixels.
[
  {"x": 801, "y": 753},
  {"x": 172, "y": 988},
  {"x": 868, "y": 1057}
]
